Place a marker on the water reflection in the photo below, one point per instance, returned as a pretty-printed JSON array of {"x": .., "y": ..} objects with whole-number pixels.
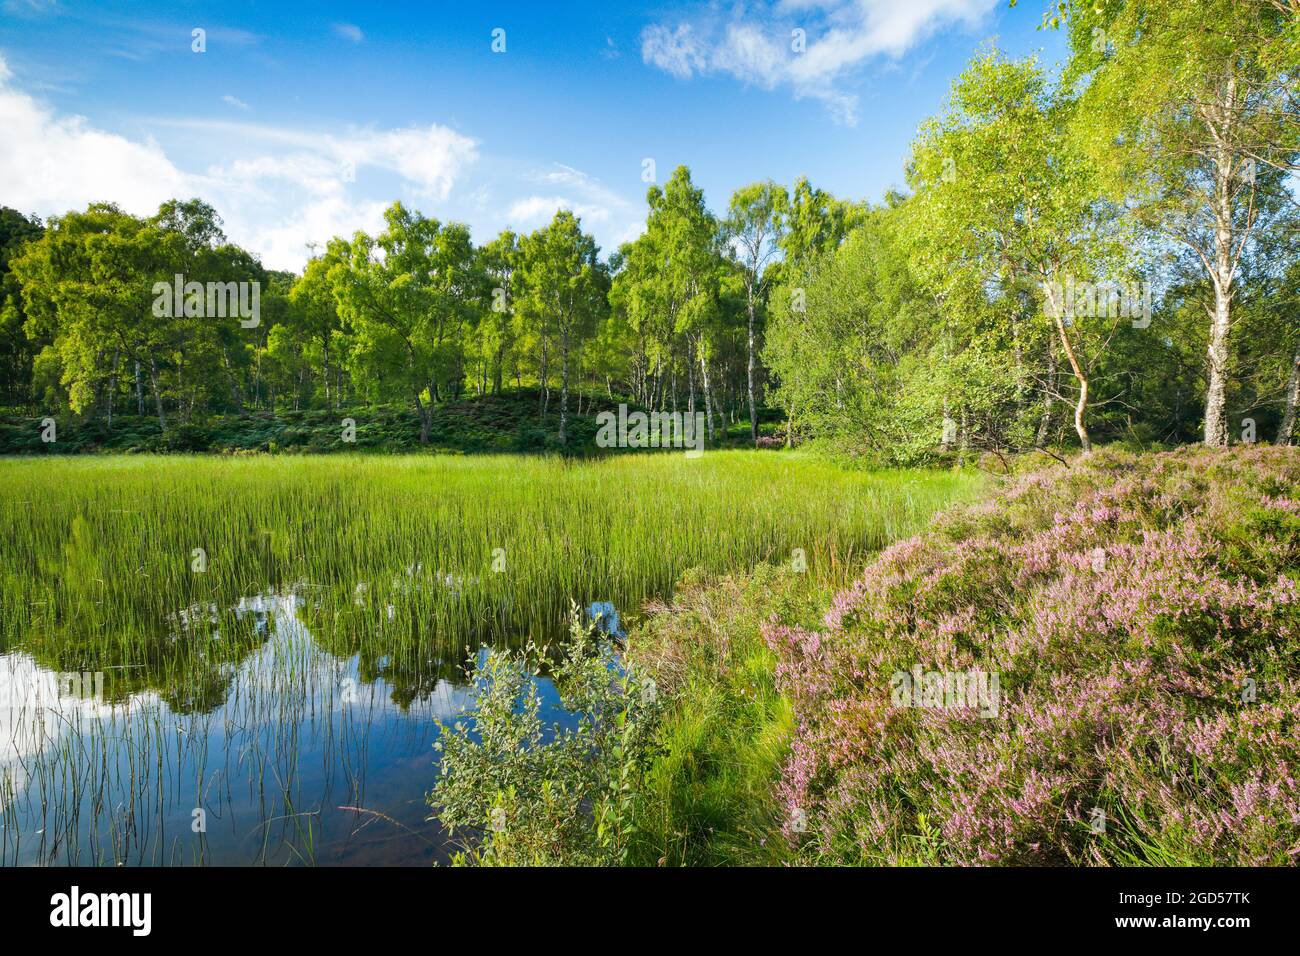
[{"x": 302, "y": 745}]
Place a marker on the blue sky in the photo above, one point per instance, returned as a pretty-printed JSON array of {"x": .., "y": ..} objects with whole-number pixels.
[{"x": 301, "y": 121}]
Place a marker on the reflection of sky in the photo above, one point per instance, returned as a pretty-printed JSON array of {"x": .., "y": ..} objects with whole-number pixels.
[
  {"x": 298, "y": 738},
  {"x": 36, "y": 708}
]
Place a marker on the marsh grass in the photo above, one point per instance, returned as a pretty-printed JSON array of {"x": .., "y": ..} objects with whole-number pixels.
[
  {"x": 100, "y": 558},
  {"x": 142, "y": 568},
  {"x": 710, "y": 800}
]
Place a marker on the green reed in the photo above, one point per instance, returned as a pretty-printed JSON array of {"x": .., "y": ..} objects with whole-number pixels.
[{"x": 132, "y": 564}]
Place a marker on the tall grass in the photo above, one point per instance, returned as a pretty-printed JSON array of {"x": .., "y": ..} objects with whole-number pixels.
[
  {"x": 106, "y": 554},
  {"x": 136, "y": 567}
]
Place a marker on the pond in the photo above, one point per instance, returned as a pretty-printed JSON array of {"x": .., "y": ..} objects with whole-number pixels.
[
  {"x": 215, "y": 660},
  {"x": 303, "y": 760}
]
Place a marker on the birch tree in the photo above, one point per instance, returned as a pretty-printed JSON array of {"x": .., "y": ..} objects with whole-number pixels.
[
  {"x": 754, "y": 225},
  {"x": 1190, "y": 111},
  {"x": 1002, "y": 195}
]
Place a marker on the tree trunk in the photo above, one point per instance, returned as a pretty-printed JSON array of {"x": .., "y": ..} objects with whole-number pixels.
[
  {"x": 1221, "y": 275},
  {"x": 753, "y": 417},
  {"x": 423, "y": 412},
  {"x": 708, "y": 393},
  {"x": 1045, "y": 421},
  {"x": 1081, "y": 406},
  {"x": 112, "y": 386},
  {"x": 564, "y": 382},
  {"x": 325, "y": 366},
  {"x": 1216, "y": 419},
  {"x": 544, "y": 398},
  {"x": 236, "y": 395},
  {"x": 157, "y": 396},
  {"x": 1292, "y": 399},
  {"x": 690, "y": 388}
]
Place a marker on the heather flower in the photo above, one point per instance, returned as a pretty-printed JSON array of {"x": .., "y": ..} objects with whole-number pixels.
[{"x": 1157, "y": 685}]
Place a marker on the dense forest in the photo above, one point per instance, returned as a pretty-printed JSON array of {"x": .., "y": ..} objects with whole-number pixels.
[{"x": 1100, "y": 252}]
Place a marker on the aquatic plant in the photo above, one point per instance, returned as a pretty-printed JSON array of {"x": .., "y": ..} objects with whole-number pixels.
[{"x": 279, "y": 612}]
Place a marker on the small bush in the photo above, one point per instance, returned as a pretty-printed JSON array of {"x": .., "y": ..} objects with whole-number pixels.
[{"x": 519, "y": 794}]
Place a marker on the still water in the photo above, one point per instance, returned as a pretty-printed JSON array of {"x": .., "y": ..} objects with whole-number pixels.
[{"x": 294, "y": 756}]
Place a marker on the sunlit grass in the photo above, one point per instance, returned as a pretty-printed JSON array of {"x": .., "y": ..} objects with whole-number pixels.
[{"x": 104, "y": 553}]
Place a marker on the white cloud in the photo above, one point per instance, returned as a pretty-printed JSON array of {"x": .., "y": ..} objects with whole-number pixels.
[
  {"x": 29, "y": 8},
  {"x": 289, "y": 188},
  {"x": 752, "y": 55},
  {"x": 538, "y": 210},
  {"x": 283, "y": 243},
  {"x": 49, "y": 164},
  {"x": 428, "y": 158},
  {"x": 349, "y": 31},
  {"x": 758, "y": 45},
  {"x": 593, "y": 202},
  {"x": 679, "y": 51},
  {"x": 234, "y": 101},
  {"x": 24, "y": 686}
]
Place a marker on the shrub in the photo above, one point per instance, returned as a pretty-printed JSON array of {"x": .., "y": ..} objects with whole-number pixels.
[
  {"x": 186, "y": 438},
  {"x": 1141, "y": 614},
  {"x": 519, "y": 794}
]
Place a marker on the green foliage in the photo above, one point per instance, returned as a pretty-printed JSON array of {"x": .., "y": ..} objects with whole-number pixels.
[
  {"x": 16, "y": 350},
  {"x": 1188, "y": 114},
  {"x": 1005, "y": 200},
  {"x": 844, "y": 347},
  {"x": 493, "y": 423},
  {"x": 567, "y": 295},
  {"x": 519, "y": 794},
  {"x": 709, "y": 799},
  {"x": 934, "y": 325}
]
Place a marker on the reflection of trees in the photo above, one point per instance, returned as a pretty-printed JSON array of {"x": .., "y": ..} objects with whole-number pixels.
[
  {"x": 117, "y": 594},
  {"x": 90, "y": 604},
  {"x": 190, "y": 666},
  {"x": 403, "y": 635}
]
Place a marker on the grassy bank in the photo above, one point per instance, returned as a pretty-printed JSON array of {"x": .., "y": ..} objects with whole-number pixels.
[{"x": 710, "y": 799}]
